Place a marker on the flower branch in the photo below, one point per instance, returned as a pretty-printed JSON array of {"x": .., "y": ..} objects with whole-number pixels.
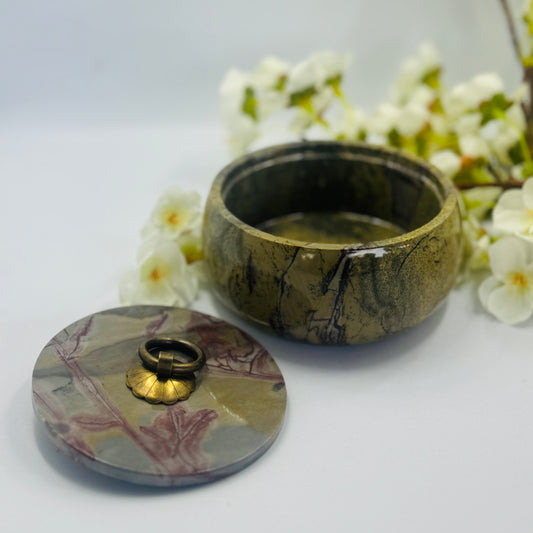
[{"x": 476, "y": 134}]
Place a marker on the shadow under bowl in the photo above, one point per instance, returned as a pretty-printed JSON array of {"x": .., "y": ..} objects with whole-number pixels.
[{"x": 330, "y": 242}]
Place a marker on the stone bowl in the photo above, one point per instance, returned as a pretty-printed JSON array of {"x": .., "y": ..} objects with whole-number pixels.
[{"x": 330, "y": 242}]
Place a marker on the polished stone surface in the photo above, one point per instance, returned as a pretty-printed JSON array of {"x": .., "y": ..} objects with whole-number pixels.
[
  {"x": 80, "y": 396},
  {"x": 315, "y": 291}
]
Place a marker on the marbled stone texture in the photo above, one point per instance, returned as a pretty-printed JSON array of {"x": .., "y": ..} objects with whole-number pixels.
[
  {"x": 342, "y": 293},
  {"x": 80, "y": 396}
]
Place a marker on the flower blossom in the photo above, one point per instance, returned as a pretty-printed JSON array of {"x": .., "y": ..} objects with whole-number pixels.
[
  {"x": 476, "y": 248},
  {"x": 412, "y": 119},
  {"x": 478, "y": 201},
  {"x": 384, "y": 119},
  {"x": 353, "y": 126},
  {"x": 270, "y": 74},
  {"x": 469, "y": 96},
  {"x": 175, "y": 213},
  {"x": 240, "y": 122},
  {"x": 514, "y": 211},
  {"x": 468, "y": 124},
  {"x": 162, "y": 278},
  {"x": 416, "y": 71},
  {"x": 447, "y": 161},
  {"x": 508, "y": 293},
  {"x": 316, "y": 106},
  {"x": 266, "y": 86},
  {"x": 169, "y": 258},
  {"x": 317, "y": 71},
  {"x": 474, "y": 146}
]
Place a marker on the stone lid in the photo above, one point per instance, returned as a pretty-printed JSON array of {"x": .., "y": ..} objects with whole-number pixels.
[{"x": 81, "y": 398}]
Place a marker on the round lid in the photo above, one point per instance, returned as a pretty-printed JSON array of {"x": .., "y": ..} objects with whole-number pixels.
[{"x": 81, "y": 397}]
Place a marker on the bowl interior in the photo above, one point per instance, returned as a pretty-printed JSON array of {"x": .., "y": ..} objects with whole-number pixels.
[{"x": 333, "y": 193}]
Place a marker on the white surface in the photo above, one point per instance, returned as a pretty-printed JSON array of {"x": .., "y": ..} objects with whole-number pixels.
[{"x": 429, "y": 431}]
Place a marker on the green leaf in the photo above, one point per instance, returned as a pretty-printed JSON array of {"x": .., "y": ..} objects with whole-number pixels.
[
  {"x": 473, "y": 172},
  {"x": 249, "y": 104},
  {"x": 302, "y": 98},
  {"x": 422, "y": 142},
  {"x": 394, "y": 138},
  {"x": 494, "y": 108},
  {"x": 516, "y": 154},
  {"x": 436, "y": 107},
  {"x": 281, "y": 83},
  {"x": 527, "y": 170},
  {"x": 335, "y": 83},
  {"x": 528, "y": 61},
  {"x": 432, "y": 78}
]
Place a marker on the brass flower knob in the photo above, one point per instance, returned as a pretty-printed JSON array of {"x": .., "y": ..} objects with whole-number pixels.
[{"x": 163, "y": 377}]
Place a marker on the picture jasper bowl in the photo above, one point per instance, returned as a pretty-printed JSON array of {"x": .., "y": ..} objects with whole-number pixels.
[{"x": 332, "y": 243}]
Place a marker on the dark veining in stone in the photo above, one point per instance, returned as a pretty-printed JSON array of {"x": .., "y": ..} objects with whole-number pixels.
[
  {"x": 335, "y": 333},
  {"x": 329, "y": 293},
  {"x": 277, "y": 321},
  {"x": 251, "y": 273}
]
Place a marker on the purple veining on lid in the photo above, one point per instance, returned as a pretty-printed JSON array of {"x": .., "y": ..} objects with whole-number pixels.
[{"x": 80, "y": 395}]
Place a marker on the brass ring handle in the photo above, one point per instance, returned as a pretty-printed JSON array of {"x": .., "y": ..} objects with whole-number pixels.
[{"x": 156, "y": 358}]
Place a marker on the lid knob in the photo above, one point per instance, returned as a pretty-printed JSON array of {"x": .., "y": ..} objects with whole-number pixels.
[{"x": 163, "y": 377}]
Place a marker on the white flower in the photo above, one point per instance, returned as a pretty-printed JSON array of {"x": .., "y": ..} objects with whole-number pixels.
[
  {"x": 384, "y": 119},
  {"x": 414, "y": 70},
  {"x": 267, "y": 81},
  {"x": 175, "y": 213},
  {"x": 440, "y": 124},
  {"x": 303, "y": 119},
  {"x": 353, "y": 125},
  {"x": 521, "y": 92},
  {"x": 487, "y": 85},
  {"x": 468, "y": 124},
  {"x": 515, "y": 115},
  {"x": 506, "y": 138},
  {"x": 422, "y": 95},
  {"x": 232, "y": 93},
  {"x": 469, "y": 96},
  {"x": 270, "y": 102},
  {"x": 331, "y": 64},
  {"x": 242, "y": 130},
  {"x": 162, "y": 278},
  {"x": 268, "y": 75},
  {"x": 241, "y": 127},
  {"x": 474, "y": 146},
  {"x": 514, "y": 211},
  {"x": 477, "y": 244},
  {"x": 322, "y": 99},
  {"x": 190, "y": 244},
  {"x": 478, "y": 201},
  {"x": 448, "y": 162},
  {"x": 508, "y": 293},
  {"x": 517, "y": 172},
  {"x": 301, "y": 122},
  {"x": 412, "y": 119},
  {"x": 316, "y": 70}
]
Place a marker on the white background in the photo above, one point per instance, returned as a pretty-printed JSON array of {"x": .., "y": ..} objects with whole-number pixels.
[{"x": 104, "y": 104}]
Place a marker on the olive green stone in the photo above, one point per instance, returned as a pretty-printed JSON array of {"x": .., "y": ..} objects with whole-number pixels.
[{"x": 330, "y": 242}]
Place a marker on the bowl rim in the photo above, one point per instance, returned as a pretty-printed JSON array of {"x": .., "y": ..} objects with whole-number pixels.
[{"x": 396, "y": 156}]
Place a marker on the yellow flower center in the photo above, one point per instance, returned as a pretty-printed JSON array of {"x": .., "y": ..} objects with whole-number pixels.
[
  {"x": 173, "y": 218},
  {"x": 519, "y": 280},
  {"x": 156, "y": 275}
]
